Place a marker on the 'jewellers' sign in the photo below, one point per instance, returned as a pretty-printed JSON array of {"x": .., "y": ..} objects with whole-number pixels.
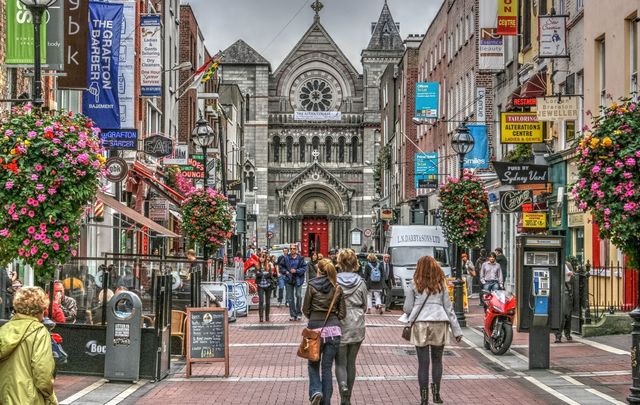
[
  {"x": 512, "y": 174},
  {"x": 511, "y": 201}
]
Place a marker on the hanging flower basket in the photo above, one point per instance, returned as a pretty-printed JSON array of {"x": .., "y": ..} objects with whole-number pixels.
[
  {"x": 51, "y": 165},
  {"x": 464, "y": 210},
  {"x": 609, "y": 175},
  {"x": 207, "y": 218}
]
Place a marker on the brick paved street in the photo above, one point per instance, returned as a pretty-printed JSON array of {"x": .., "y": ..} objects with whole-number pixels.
[{"x": 265, "y": 370}]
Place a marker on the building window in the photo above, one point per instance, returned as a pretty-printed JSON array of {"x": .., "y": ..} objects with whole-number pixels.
[
  {"x": 289, "y": 149},
  {"x": 328, "y": 144},
  {"x": 526, "y": 24},
  {"x": 633, "y": 57},
  {"x": 315, "y": 144},
  {"x": 303, "y": 148},
  {"x": 341, "y": 143},
  {"x": 354, "y": 149},
  {"x": 316, "y": 95},
  {"x": 276, "y": 149},
  {"x": 602, "y": 76}
]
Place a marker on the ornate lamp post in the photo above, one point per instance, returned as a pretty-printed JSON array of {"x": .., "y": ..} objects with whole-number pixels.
[
  {"x": 37, "y": 9},
  {"x": 462, "y": 143}
]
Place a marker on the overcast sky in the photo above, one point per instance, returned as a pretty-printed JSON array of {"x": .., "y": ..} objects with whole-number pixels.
[{"x": 258, "y": 23}]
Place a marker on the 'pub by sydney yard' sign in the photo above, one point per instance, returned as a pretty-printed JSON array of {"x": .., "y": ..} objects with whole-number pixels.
[{"x": 512, "y": 174}]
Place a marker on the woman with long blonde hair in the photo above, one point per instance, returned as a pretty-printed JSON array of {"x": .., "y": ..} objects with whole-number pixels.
[{"x": 431, "y": 314}]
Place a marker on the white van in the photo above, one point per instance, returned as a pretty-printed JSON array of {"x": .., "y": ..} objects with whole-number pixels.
[{"x": 407, "y": 244}]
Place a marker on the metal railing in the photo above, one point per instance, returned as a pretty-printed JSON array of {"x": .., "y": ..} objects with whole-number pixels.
[{"x": 612, "y": 288}]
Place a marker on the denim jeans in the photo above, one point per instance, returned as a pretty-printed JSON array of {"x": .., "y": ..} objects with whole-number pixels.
[
  {"x": 264, "y": 302},
  {"x": 295, "y": 307},
  {"x": 346, "y": 364},
  {"x": 323, "y": 383}
]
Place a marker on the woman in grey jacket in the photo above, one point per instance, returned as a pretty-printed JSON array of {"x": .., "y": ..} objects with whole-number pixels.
[
  {"x": 355, "y": 293},
  {"x": 427, "y": 304}
]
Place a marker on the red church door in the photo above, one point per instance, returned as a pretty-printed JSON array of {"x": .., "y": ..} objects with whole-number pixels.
[{"x": 315, "y": 236}]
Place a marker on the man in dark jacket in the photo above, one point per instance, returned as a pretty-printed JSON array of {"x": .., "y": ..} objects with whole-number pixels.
[
  {"x": 294, "y": 268},
  {"x": 479, "y": 262},
  {"x": 502, "y": 261},
  {"x": 386, "y": 268},
  {"x": 567, "y": 305}
]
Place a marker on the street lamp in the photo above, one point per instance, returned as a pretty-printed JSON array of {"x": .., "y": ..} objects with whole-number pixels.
[
  {"x": 37, "y": 8},
  {"x": 461, "y": 143},
  {"x": 256, "y": 210}
]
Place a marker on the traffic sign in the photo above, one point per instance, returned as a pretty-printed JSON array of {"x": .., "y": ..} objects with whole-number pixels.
[
  {"x": 368, "y": 233},
  {"x": 269, "y": 235}
]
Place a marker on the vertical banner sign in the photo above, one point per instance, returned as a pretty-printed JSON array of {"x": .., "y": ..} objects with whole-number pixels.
[
  {"x": 55, "y": 36},
  {"x": 426, "y": 170},
  {"x": 507, "y": 17},
  {"x": 427, "y": 99},
  {"x": 100, "y": 99},
  {"x": 481, "y": 104},
  {"x": 76, "y": 29},
  {"x": 20, "y": 35},
  {"x": 150, "y": 56},
  {"x": 478, "y": 158},
  {"x": 490, "y": 44},
  {"x": 552, "y": 36}
]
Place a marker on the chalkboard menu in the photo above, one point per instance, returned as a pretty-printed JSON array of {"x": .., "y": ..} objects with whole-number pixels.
[{"x": 207, "y": 337}]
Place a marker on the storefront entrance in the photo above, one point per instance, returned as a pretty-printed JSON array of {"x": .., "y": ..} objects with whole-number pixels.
[{"x": 315, "y": 236}]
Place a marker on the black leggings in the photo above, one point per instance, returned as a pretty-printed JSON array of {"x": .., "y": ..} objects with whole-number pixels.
[
  {"x": 346, "y": 364},
  {"x": 423, "y": 365}
]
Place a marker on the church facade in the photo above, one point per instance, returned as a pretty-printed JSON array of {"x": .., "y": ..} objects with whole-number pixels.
[{"x": 310, "y": 129}]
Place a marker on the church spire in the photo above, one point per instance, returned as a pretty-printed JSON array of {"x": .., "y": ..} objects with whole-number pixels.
[
  {"x": 385, "y": 33},
  {"x": 317, "y": 6}
]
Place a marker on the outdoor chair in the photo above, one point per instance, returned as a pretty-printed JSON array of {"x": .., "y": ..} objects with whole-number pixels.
[{"x": 179, "y": 327}]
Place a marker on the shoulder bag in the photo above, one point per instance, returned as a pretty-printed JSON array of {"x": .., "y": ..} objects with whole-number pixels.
[
  {"x": 310, "y": 346},
  {"x": 406, "y": 331}
]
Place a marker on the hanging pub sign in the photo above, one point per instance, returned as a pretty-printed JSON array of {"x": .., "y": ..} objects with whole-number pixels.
[
  {"x": 386, "y": 214},
  {"x": 511, "y": 201},
  {"x": 119, "y": 139},
  {"x": 557, "y": 108},
  {"x": 520, "y": 128},
  {"x": 511, "y": 174},
  {"x": 194, "y": 167},
  {"x": 158, "y": 146},
  {"x": 552, "y": 36},
  {"x": 117, "y": 169}
]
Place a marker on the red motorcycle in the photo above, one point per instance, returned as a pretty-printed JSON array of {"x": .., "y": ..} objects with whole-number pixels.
[{"x": 500, "y": 308}]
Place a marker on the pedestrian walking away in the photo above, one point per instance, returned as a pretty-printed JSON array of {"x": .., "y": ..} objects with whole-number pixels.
[
  {"x": 429, "y": 309},
  {"x": 353, "y": 325},
  {"x": 282, "y": 279},
  {"x": 567, "y": 304},
  {"x": 389, "y": 281},
  {"x": 321, "y": 292},
  {"x": 294, "y": 268},
  {"x": 26, "y": 359},
  {"x": 375, "y": 283},
  {"x": 265, "y": 281}
]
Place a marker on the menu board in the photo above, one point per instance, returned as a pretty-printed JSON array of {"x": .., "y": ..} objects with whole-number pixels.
[{"x": 207, "y": 337}]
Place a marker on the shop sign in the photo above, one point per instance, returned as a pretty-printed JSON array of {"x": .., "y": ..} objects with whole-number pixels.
[
  {"x": 490, "y": 43},
  {"x": 117, "y": 169},
  {"x": 557, "y": 108},
  {"x": 512, "y": 201},
  {"x": 180, "y": 156},
  {"x": 534, "y": 220},
  {"x": 194, "y": 169},
  {"x": 512, "y": 174},
  {"x": 552, "y": 36},
  {"x": 575, "y": 220},
  {"x": 426, "y": 170},
  {"x": 427, "y": 98},
  {"x": 507, "y": 17},
  {"x": 520, "y": 128},
  {"x": 119, "y": 139},
  {"x": 158, "y": 209},
  {"x": 386, "y": 214},
  {"x": 524, "y": 102},
  {"x": 158, "y": 146},
  {"x": 150, "y": 55},
  {"x": 76, "y": 31}
]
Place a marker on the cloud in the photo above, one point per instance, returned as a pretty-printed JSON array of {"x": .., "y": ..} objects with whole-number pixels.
[{"x": 270, "y": 28}]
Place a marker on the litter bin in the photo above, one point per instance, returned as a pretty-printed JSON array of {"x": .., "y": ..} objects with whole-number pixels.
[{"x": 124, "y": 330}]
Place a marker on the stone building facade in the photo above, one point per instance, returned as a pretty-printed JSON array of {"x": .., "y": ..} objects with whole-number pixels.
[{"x": 313, "y": 178}]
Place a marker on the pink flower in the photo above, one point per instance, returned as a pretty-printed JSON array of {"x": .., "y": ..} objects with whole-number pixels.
[
  {"x": 45, "y": 256},
  {"x": 637, "y": 153},
  {"x": 600, "y": 194},
  {"x": 26, "y": 242},
  {"x": 57, "y": 234},
  {"x": 31, "y": 230},
  {"x": 51, "y": 191},
  {"x": 595, "y": 169},
  {"x": 630, "y": 206},
  {"x": 4, "y": 232},
  {"x": 630, "y": 161},
  {"x": 632, "y": 107},
  {"x": 32, "y": 134},
  {"x": 37, "y": 236},
  {"x": 40, "y": 262},
  {"x": 47, "y": 241},
  {"x": 8, "y": 185},
  {"x": 56, "y": 247},
  {"x": 42, "y": 197},
  {"x": 607, "y": 211},
  {"x": 8, "y": 132},
  {"x": 618, "y": 164},
  {"x": 65, "y": 238},
  {"x": 38, "y": 167},
  {"x": 608, "y": 170},
  {"x": 34, "y": 250},
  {"x": 582, "y": 205},
  {"x": 31, "y": 214},
  {"x": 21, "y": 252},
  {"x": 65, "y": 229},
  {"x": 595, "y": 185},
  {"x": 34, "y": 177},
  {"x": 629, "y": 193},
  {"x": 39, "y": 123},
  {"x": 39, "y": 186}
]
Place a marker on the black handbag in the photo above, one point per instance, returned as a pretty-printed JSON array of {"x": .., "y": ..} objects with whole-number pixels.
[{"x": 406, "y": 331}]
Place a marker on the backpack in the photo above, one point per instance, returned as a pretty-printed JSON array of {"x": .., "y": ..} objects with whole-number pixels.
[{"x": 376, "y": 275}]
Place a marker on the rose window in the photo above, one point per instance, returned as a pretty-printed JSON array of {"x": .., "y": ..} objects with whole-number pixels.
[{"x": 316, "y": 95}]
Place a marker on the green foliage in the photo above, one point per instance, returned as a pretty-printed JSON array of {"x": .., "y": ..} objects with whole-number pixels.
[
  {"x": 50, "y": 168},
  {"x": 609, "y": 175},
  {"x": 465, "y": 210},
  {"x": 207, "y": 218},
  {"x": 383, "y": 162},
  {"x": 522, "y": 153}
]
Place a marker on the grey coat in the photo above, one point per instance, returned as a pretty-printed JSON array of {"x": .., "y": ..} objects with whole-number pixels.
[{"x": 355, "y": 296}]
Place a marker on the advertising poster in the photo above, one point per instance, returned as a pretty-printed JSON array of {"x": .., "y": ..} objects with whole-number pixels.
[
  {"x": 75, "y": 44},
  {"x": 507, "y": 17},
  {"x": 20, "y": 30},
  {"x": 520, "y": 128},
  {"x": 552, "y": 36},
  {"x": 150, "y": 55},
  {"x": 490, "y": 44},
  {"x": 427, "y": 99},
  {"x": 54, "y": 18},
  {"x": 426, "y": 170},
  {"x": 478, "y": 158}
]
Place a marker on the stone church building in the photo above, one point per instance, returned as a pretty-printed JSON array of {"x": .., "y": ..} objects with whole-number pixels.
[{"x": 310, "y": 129}]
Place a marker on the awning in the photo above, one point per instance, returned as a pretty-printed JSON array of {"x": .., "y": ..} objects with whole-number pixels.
[
  {"x": 135, "y": 215},
  {"x": 176, "y": 214},
  {"x": 536, "y": 86},
  {"x": 149, "y": 177}
]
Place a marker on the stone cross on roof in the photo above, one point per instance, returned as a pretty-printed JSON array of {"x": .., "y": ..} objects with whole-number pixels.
[{"x": 317, "y": 6}]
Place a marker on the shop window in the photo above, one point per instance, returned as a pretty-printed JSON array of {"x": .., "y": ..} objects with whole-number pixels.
[{"x": 276, "y": 149}]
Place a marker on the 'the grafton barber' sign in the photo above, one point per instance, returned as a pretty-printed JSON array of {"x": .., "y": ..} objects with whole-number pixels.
[{"x": 512, "y": 174}]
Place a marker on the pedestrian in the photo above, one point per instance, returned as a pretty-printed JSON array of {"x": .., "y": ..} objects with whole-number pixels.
[
  {"x": 469, "y": 271},
  {"x": 312, "y": 266},
  {"x": 276, "y": 285},
  {"x": 491, "y": 274},
  {"x": 294, "y": 268},
  {"x": 238, "y": 266},
  {"x": 479, "y": 262},
  {"x": 6, "y": 288},
  {"x": 502, "y": 261},
  {"x": 26, "y": 359},
  {"x": 333, "y": 256},
  {"x": 325, "y": 307},
  {"x": 375, "y": 283},
  {"x": 354, "y": 289},
  {"x": 389, "y": 281},
  {"x": 67, "y": 304},
  {"x": 429, "y": 309},
  {"x": 282, "y": 279},
  {"x": 251, "y": 251},
  {"x": 265, "y": 275},
  {"x": 567, "y": 304}
]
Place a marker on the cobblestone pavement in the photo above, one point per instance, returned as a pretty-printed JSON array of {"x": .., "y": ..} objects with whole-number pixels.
[{"x": 265, "y": 370}]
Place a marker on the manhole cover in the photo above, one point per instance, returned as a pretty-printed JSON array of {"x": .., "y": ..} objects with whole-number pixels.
[{"x": 264, "y": 327}]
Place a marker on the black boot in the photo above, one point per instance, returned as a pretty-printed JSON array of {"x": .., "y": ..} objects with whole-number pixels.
[
  {"x": 424, "y": 396},
  {"x": 435, "y": 390}
]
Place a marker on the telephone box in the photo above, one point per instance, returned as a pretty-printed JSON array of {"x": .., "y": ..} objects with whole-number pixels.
[{"x": 124, "y": 331}]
